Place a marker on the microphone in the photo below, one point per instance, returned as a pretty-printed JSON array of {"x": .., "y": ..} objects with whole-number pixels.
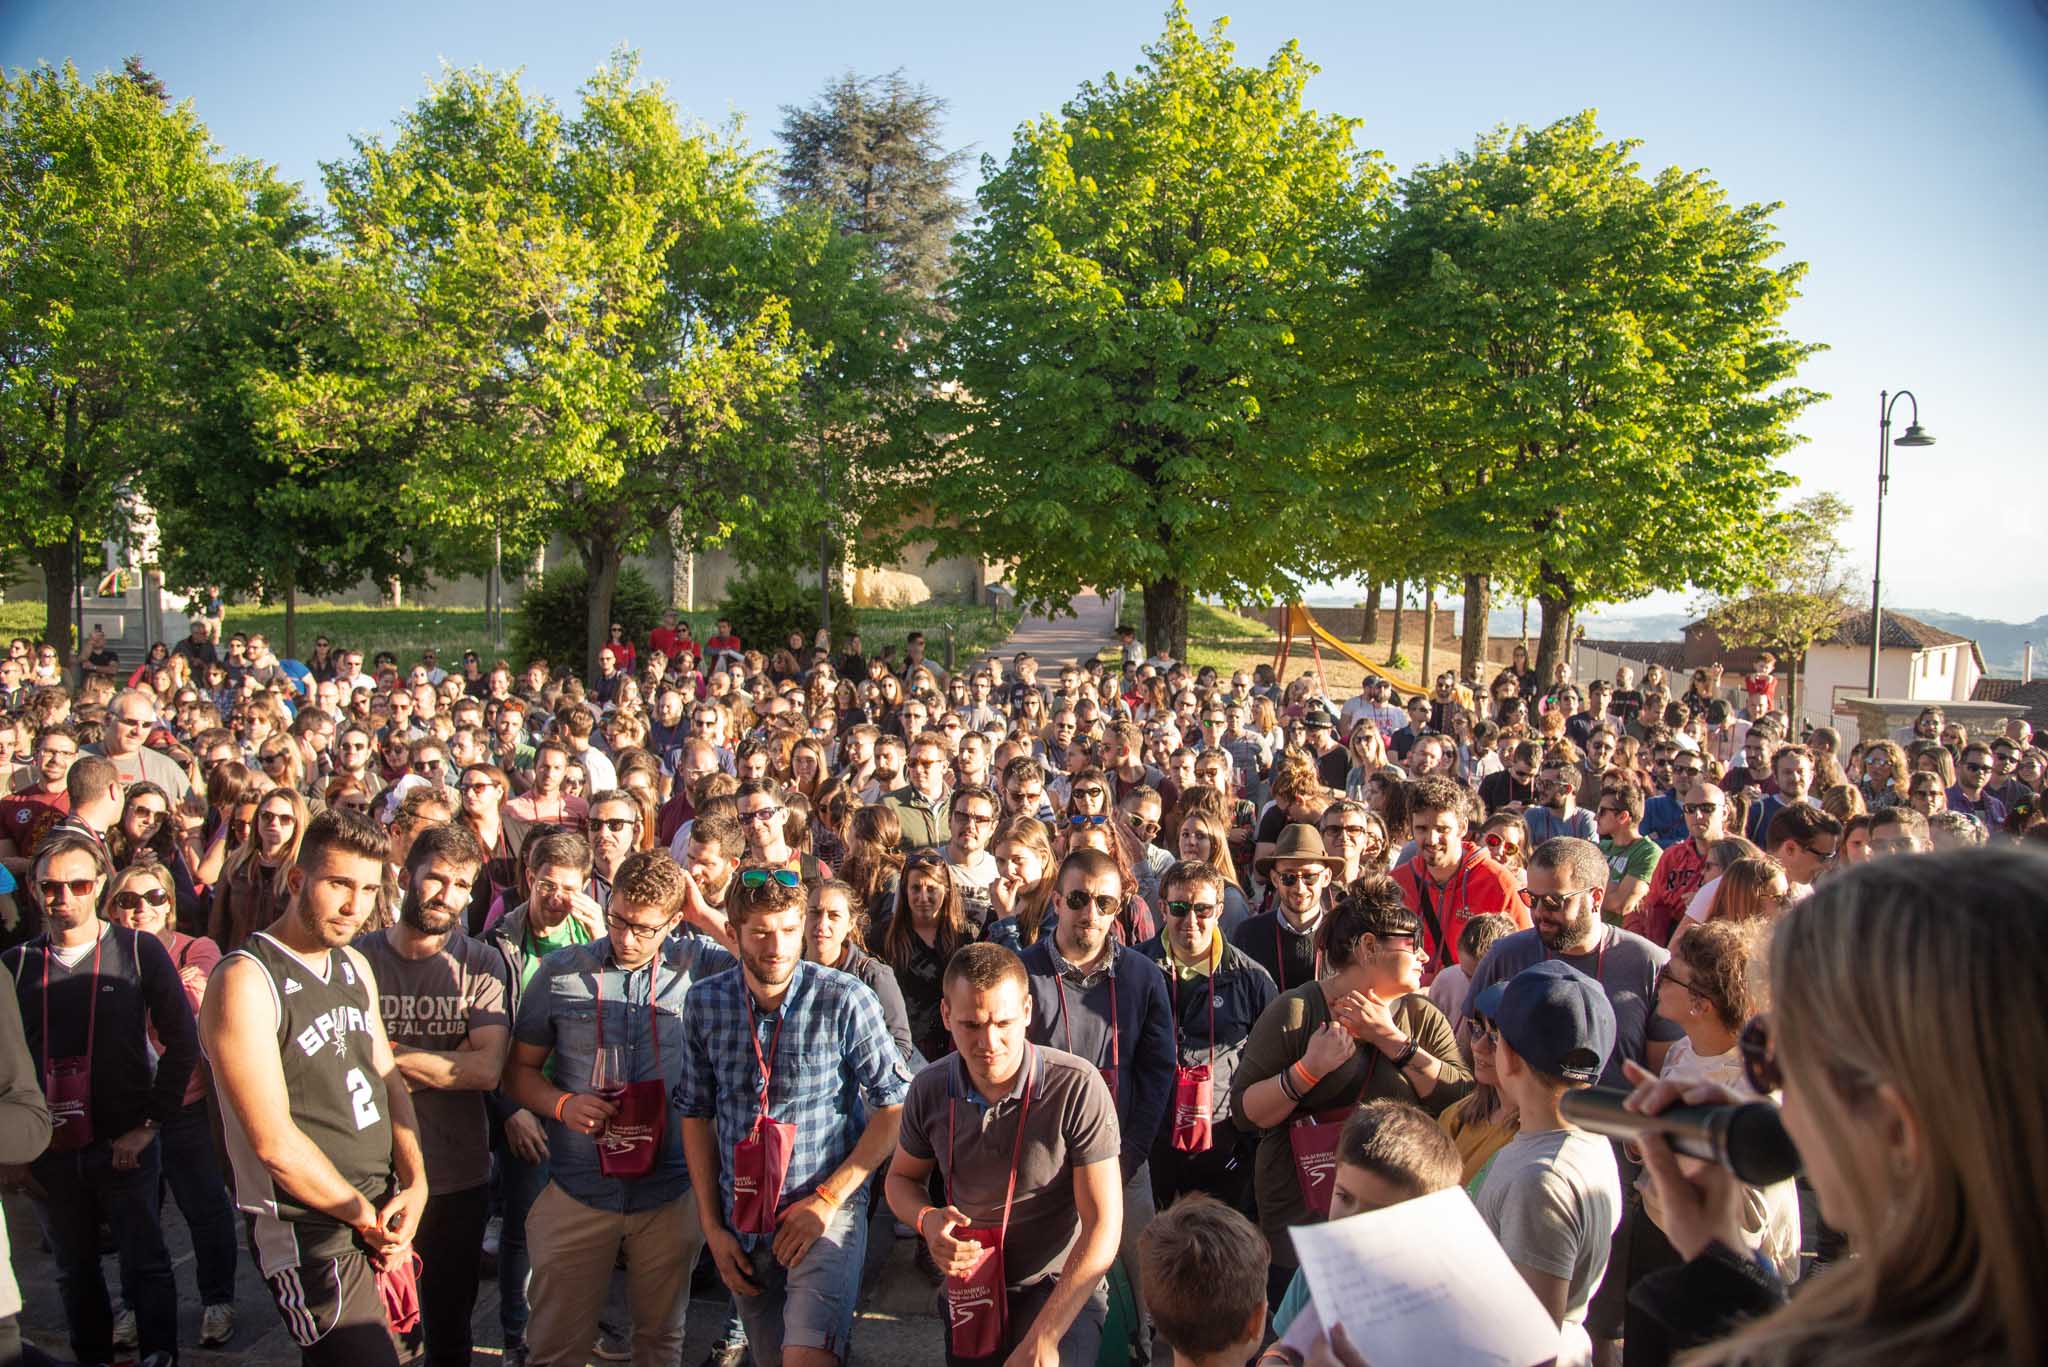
[{"x": 1749, "y": 1140}]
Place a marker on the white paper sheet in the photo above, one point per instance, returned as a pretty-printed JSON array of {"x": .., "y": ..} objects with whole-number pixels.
[{"x": 1425, "y": 1283}]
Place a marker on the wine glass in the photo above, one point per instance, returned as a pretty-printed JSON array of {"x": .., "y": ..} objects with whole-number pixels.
[{"x": 608, "y": 1072}]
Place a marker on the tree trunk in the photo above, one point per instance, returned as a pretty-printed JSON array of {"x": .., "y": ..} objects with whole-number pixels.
[
  {"x": 1428, "y": 632},
  {"x": 291, "y": 620},
  {"x": 1555, "y": 597},
  {"x": 1792, "y": 693},
  {"x": 59, "y": 583},
  {"x": 1478, "y": 608},
  {"x": 601, "y": 563},
  {"x": 1166, "y": 618},
  {"x": 1371, "y": 633},
  {"x": 1400, "y": 616}
]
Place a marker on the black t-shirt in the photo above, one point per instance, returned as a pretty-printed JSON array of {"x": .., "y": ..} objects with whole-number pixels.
[
  {"x": 1333, "y": 768},
  {"x": 198, "y": 652},
  {"x": 1270, "y": 826},
  {"x": 103, "y": 658}
]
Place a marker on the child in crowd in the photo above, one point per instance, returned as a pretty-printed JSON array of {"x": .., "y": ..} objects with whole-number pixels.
[
  {"x": 1203, "y": 1268},
  {"x": 1553, "y": 1195},
  {"x": 1389, "y": 1152}
]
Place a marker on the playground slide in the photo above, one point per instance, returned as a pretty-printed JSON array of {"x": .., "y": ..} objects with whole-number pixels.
[{"x": 1302, "y": 620}]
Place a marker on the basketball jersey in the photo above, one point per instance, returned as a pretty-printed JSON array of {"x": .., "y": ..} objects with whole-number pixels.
[{"x": 336, "y": 1098}]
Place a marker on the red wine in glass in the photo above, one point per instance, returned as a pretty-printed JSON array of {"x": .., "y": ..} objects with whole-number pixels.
[{"x": 608, "y": 1073}]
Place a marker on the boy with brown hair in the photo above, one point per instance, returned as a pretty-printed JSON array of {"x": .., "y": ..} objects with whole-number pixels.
[{"x": 1203, "y": 1266}]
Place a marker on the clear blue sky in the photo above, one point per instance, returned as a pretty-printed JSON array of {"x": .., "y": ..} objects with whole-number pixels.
[{"x": 1908, "y": 142}]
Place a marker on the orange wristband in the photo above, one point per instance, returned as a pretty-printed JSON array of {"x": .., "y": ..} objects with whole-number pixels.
[
  {"x": 918, "y": 1223},
  {"x": 1308, "y": 1079},
  {"x": 560, "y": 1102}
]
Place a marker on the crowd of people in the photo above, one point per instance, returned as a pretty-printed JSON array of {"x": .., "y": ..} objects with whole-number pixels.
[{"x": 1093, "y": 986}]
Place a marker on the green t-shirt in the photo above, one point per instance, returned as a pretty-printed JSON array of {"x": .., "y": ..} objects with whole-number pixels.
[
  {"x": 539, "y": 946},
  {"x": 1637, "y": 861}
]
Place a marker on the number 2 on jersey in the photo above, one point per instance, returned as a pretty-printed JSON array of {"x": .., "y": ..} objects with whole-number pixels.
[{"x": 359, "y": 1092}]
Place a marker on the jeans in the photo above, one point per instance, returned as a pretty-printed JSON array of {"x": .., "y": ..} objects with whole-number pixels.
[
  {"x": 192, "y": 1172},
  {"x": 450, "y": 1244},
  {"x": 78, "y": 1188},
  {"x": 519, "y": 1182},
  {"x": 809, "y": 1305}
]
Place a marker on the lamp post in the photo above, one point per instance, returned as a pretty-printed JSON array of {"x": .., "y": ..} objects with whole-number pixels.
[{"x": 1915, "y": 435}]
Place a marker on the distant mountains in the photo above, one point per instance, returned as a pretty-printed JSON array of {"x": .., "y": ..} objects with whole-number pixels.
[{"x": 2003, "y": 643}]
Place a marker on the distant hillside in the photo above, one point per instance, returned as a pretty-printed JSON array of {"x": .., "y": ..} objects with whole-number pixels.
[{"x": 2003, "y": 643}]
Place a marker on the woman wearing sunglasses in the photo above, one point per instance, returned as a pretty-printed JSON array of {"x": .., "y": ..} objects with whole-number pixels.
[
  {"x": 143, "y": 898},
  {"x": 1907, "y": 995},
  {"x": 1361, "y": 1032},
  {"x": 148, "y": 833}
]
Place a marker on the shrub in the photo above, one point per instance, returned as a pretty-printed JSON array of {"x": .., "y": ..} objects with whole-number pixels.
[
  {"x": 553, "y": 615},
  {"x": 764, "y": 606}
]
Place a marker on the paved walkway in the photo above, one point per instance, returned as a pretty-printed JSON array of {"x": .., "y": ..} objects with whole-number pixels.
[
  {"x": 896, "y": 1326},
  {"x": 1056, "y": 640}
]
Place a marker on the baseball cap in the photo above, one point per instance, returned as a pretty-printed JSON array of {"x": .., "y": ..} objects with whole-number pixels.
[{"x": 1558, "y": 1020}]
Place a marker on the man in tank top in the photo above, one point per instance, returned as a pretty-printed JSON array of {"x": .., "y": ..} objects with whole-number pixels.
[{"x": 319, "y": 1124}]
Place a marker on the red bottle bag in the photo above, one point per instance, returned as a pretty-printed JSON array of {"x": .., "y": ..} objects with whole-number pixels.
[
  {"x": 760, "y": 1162},
  {"x": 1194, "y": 1093},
  {"x": 978, "y": 1300},
  {"x": 1314, "y": 1140},
  {"x": 631, "y": 1139},
  {"x": 399, "y": 1285},
  {"x": 67, "y": 1082}
]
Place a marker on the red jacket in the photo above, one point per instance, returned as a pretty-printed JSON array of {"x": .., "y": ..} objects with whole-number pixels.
[{"x": 1481, "y": 885}]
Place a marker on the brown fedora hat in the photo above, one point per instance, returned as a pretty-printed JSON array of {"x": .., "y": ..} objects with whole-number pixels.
[{"x": 1299, "y": 843}]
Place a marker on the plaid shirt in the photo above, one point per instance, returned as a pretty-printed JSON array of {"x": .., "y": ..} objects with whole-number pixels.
[{"x": 833, "y": 1063}]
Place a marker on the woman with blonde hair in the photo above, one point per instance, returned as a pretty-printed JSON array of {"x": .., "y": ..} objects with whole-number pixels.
[
  {"x": 1752, "y": 886},
  {"x": 1021, "y": 895},
  {"x": 1884, "y": 773},
  {"x": 251, "y": 890},
  {"x": 1907, "y": 999},
  {"x": 1202, "y": 835}
]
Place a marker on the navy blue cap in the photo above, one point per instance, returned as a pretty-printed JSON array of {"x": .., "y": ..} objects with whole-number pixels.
[
  {"x": 1487, "y": 1001},
  {"x": 1558, "y": 1020}
]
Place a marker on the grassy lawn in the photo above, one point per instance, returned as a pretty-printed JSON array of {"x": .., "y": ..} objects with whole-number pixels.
[{"x": 407, "y": 631}]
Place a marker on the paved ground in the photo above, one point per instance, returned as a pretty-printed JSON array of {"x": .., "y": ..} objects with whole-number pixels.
[
  {"x": 896, "y": 1324},
  {"x": 1055, "y": 640}
]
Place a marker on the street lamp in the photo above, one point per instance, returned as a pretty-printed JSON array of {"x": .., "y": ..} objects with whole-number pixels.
[{"x": 1915, "y": 435}]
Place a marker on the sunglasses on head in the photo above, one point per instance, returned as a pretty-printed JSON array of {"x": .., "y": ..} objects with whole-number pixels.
[
  {"x": 1079, "y": 819},
  {"x": 760, "y": 878}
]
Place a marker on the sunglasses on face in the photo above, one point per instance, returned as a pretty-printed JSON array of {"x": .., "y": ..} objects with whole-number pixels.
[
  {"x": 760, "y": 878},
  {"x": 1296, "y": 877},
  {"x": 1552, "y": 902},
  {"x": 134, "y": 901},
  {"x": 53, "y": 888},
  {"x": 617, "y": 825},
  {"x": 1701, "y": 808},
  {"x": 1494, "y": 842},
  {"x": 1201, "y": 911},
  {"x": 761, "y": 814},
  {"x": 1079, "y": 898}
]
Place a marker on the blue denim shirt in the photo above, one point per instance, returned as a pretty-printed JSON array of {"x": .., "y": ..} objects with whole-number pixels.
[{"x": 559, "y": 1011}]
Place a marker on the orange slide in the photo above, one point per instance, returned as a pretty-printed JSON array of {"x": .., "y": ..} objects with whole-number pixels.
[{"x": 1300, "y": 621}]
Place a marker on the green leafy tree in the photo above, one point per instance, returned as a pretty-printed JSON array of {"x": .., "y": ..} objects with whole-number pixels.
[
  {"x": 1582, "y": 377},
  {"x": 1801, "y": 593},
  {"x": 235, "y": 509},
  {"x": 115, "y": 216},
  {"x": 554, "y": 322},
  {"x": 1144, "y": 382},
  {"x": 861, "y": 247}
]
